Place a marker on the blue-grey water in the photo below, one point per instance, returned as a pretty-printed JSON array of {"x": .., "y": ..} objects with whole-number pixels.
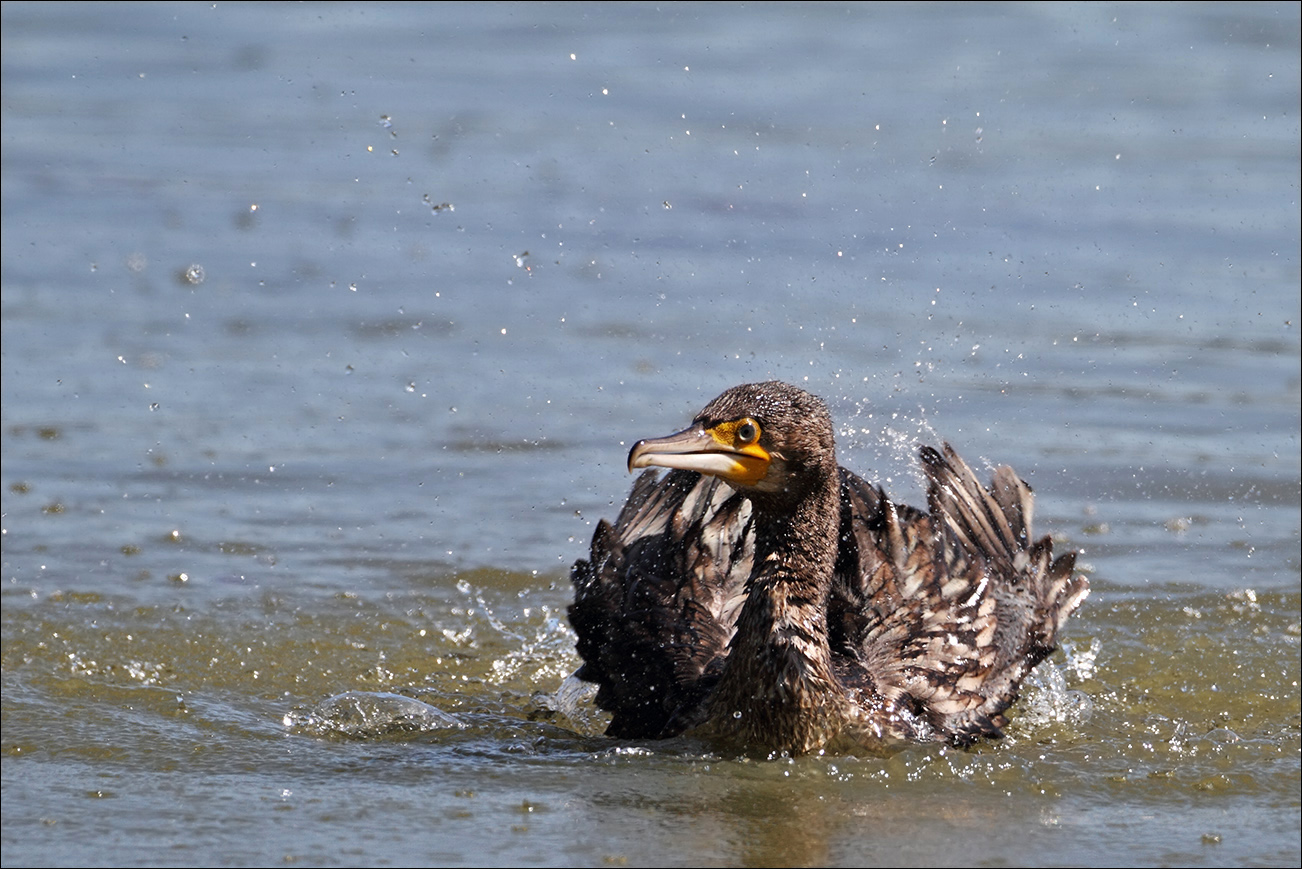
[{"x": 326, "y": 329}]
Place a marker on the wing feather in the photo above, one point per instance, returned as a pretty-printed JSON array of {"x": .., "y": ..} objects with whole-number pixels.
[
  {"x": 657, "y": 600},
  {"x": 947, "y": 612}
]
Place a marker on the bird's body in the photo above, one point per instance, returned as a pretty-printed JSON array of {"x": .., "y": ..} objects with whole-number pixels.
[{"x": 761, "y": 596}]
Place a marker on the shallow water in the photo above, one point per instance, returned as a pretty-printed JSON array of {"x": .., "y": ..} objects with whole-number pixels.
[{"x": 326, "y": 330}]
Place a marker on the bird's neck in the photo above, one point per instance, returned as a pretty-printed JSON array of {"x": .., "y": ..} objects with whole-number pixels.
[{"x": 777, "y": 688}]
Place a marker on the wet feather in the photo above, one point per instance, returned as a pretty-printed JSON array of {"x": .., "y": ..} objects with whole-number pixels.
[{"x": 807, "y": 610}]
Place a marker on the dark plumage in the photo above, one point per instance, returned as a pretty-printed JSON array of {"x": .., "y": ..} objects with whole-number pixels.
[{"x": 759, "y": 595}]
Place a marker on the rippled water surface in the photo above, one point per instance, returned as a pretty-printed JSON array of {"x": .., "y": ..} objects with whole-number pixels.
[{"x": 326, "y": 330}]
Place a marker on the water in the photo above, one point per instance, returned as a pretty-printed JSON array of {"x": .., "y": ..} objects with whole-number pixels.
[{"x": 326, "y": 330}]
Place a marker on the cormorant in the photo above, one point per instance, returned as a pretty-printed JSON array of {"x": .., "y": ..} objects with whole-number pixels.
[{"x": 760, "y": 596}]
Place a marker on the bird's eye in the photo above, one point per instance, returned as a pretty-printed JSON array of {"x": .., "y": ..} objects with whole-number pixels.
[{"x": 748, "y": 431}]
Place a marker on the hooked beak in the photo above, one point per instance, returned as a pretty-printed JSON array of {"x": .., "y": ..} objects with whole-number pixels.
[{"x": 706, "y": 451}]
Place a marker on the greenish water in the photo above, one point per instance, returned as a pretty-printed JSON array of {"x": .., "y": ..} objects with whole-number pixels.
[{"x": 1181, "y": 717}]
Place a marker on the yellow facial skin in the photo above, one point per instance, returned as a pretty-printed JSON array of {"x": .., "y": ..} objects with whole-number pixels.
[{"x": 730, "y": 450}]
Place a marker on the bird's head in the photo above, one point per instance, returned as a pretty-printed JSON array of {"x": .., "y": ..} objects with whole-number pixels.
[{"x": 759, "y": 437}]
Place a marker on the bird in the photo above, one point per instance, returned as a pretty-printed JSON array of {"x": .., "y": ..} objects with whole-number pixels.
[{"x": 761, "y": 597}]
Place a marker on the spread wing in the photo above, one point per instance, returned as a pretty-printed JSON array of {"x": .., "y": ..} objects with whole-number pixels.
[
  {"x": 933, "y": 617},
  {"x": 657, "y": 601},
  {"x": 944, "y": 613}
]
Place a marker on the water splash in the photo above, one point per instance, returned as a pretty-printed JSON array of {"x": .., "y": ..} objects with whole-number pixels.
[
  {"x": 882, "y": 447},
  {"x": 1047, "y": 699},
  {"x": 366, "y": 715}
]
